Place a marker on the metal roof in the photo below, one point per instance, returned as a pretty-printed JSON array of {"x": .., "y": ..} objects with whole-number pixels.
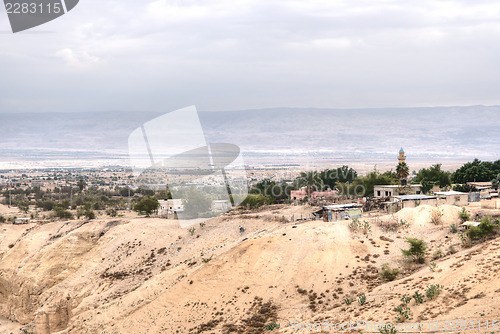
[
  {"x": 471, "y": 224},
  {"x": 342, "y": 206},
  {"x": 449, "y": 193},
  {"x": 394, "y": 186},
  {"x": 413, "y": 197}
]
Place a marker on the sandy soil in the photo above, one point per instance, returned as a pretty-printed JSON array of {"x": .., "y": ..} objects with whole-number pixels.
[{"x": 150, "y": 275}]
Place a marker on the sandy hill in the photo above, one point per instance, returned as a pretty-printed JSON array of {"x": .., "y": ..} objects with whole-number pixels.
[{"x": 147, "y": 275}]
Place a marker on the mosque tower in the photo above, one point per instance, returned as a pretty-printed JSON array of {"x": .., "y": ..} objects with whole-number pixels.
[{"x": 402, "y": 157}]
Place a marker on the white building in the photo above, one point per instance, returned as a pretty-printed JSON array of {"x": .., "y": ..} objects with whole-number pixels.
[
  {"x": 221, "y": 205},
  {"x": 396, "y": 190},
  {"x": 170, "y": 207}
]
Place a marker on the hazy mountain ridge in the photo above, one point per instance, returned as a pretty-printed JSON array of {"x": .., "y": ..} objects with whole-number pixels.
[{"x": 447, "y": 131}]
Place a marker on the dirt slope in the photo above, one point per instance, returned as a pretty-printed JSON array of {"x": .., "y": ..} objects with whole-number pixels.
[{"x": 151, "y": 276}]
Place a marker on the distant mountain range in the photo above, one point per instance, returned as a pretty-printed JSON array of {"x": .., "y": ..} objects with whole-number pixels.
[{"x": 439, "y": 131}]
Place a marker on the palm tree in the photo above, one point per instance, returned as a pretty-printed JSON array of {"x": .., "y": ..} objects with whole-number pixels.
[
  {"x": 402, "y": 170},
  {"x": 81, "y": 184},
  {"x": 309, "y": 180}
]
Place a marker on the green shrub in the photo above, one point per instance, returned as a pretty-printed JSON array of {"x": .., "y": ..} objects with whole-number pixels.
[
  {"x": 272, "y": 326},
  {"x": 2, "y": 219},
  {"x": 362, "y": 300},
  {"x": 485, "y": 229},
  {"x": 62, "y": 213},
  {"x": 406, "y": 300},
  {"x": 255, "y": 201},
  {"x": 111, "y": 212},
  {"x": 418, "y": 297},
  {"x": 464, "y": 215},
  {"x": 403, "y": 312},
  {"x": 89, "y": 214},
  {"x": 417, "y": 250},
  {"x": 348, "y": 301},
  {"x": 453, "y": 228},
  {"x": 433, "y": 291},
  {"x": 388, "y": 329},
  {"x": 389, "y": 274}
]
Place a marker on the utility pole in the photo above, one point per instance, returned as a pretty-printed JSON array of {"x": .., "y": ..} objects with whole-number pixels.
[
  {"x": 71, "y": 198},
  {"x": 129, "y": 203}
]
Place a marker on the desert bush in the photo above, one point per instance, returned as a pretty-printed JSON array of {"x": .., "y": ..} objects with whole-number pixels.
[
  {"x": 436, "y": 217},
  {"x": 366, "y": 227},
  {"x": 433, "y": 266},
  {"x": 406, "y": 300},
  {"x": 89, "y": 214},
  {"x": 348, "y": 300},
  {"x": 465, "y": 239},
  {"x": 62, "y": 213},
  {"x": 111, "y": 212},
  {"x": 390, "y": 226},
  {"x": 191, "y": 230},
  {"x": 485, "y": 229},
  {"x": 463, "y": 215},
  {"x": 437, "y": 254},
  {"x": 418, "y": 297},
  {"x": 389, "y": 274},
  {"x": 255, "y": 201},
  {"x": 2, "y": 219},
  {"x": 453, "y": 228},
  {"x": 433, "y": 291},
  {"x": 362, "y": 300},
  {"x": 417, "y": 250},
  {"x": 272, "y": 326},
  {"x": 206, "y": 260},
  {"x": 388, "y": 329},
  {"x": 354, "y": 225},
  {"x": 403, "y": 312},
  {"x": 404, "y": 223}
]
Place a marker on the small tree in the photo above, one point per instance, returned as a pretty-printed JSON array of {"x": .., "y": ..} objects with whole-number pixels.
[
  {"x": 495, "y": 183},
  {"x": 417, "y": 250},
  {"x": 463, "y": 215},
  {"x": 89, "y": 214},
  {"x": 147, "y": 204}
]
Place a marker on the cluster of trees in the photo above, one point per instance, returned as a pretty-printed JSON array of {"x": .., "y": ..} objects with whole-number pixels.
[
  {"x": 433, "y": 176},
  {"x": 349, "y": 184},
  {"x": 82, "y": 200},
  {"x": 477, "y": 171},
  {"x": 343, "y": 179}
]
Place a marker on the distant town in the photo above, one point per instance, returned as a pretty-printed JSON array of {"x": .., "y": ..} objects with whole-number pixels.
[{"x": 64, "y": 193}]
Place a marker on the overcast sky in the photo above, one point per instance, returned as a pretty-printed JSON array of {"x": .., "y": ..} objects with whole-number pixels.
[{"x": 237, "y": 54}]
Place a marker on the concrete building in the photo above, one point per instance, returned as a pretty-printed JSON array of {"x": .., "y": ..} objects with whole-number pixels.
[
  {"x": 221, "y": 205},
  {"x": 170, "y": 207},
  {"x": 396, "y": 190},
  {"x": 413, "y": 201},
  {"x": 302, "y": 193},
  {"x": 452, "y": 198},
  {"x": 492, "y": 202}
]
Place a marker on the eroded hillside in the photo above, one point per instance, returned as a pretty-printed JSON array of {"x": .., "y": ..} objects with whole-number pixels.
[{"x": 147, "y": 275}]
